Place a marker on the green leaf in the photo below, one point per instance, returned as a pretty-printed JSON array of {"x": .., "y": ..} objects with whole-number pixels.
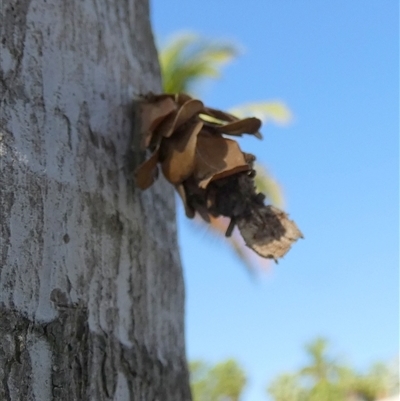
[
  {"x": 266, "y": 111},
  {"x": 266, "y": 184},
  {"x": 187, "y": 59},
  {"x": 224, "y": 380}
]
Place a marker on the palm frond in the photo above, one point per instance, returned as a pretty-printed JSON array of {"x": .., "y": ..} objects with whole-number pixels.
[
  {"x": 276, "y": 111},
  {"x": 268, "y": 186},
  {"x": 188, "y": 58}
]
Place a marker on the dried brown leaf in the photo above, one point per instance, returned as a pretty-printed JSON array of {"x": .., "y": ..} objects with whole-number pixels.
[
  {"x": 178, "y": 153},
  {"x": 268, "y": 231},
  {"x": 202, "y": 211},
  {"x": 146, "y": 173},
  {"x": 249, "y": 125},
  {"x": 170, "y": 124},
  {"x": 151, "y": 97},
  {"x": 152, "y": 114},
  {"x": 189, "y": 211},
  {"x": 182, "y": 98},
  {"x": 217, "y": 157},
  {"x": 211, "y": 174}
]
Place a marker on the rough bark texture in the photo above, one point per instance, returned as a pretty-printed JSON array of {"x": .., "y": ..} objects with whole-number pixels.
[{"x": 91, "y": 289}]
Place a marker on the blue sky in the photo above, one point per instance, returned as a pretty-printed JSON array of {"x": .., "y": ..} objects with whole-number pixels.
[{"x": 335, "y": 64}]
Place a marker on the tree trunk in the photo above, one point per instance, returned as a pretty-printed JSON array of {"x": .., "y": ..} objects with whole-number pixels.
[{"x": 91, "y": 288}]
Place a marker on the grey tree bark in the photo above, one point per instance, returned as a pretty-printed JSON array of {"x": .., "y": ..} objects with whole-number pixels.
[{"x": 91, "y": 288}]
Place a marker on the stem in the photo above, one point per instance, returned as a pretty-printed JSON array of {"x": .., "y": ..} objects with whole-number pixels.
[{"x": 230, "y": 228}]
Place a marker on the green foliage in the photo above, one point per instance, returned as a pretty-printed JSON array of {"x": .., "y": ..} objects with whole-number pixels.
[
  {"x": 323, "y": 379},
  {"x": 188, "y": 59},
  {"x": 276, "y": 112},
  {"x": 287, "y": 388},
  {"x": 321, "y": 368},
  {"x": 375, "y": 384},
  {"x": 223, "y": 382},
  {"x": 267, "y": 185},
  {"x": 325, "y": 391}
]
